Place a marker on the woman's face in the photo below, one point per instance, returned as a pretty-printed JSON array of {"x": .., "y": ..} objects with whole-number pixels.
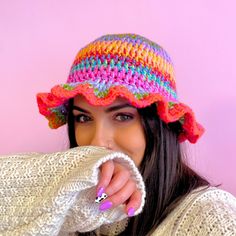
[{"x": 116, "y": 126}]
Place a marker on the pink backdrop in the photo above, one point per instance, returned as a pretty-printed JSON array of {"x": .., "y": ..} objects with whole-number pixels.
[{"x": 39, "y": 39}]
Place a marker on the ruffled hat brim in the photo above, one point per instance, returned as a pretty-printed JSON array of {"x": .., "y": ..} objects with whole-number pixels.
[{"x": 54, "y": 106}]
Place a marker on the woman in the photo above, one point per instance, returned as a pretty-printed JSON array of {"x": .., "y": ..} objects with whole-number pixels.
[
  {"x": 122, "y": 111},
  {"x": 121, "y": 95}
]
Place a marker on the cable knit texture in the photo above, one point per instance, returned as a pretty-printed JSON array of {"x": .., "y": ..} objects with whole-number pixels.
[
  {"x": 44, "y": 194},
  {"x": 203, "y": 212}
]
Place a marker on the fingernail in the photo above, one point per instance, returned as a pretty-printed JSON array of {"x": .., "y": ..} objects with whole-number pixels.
[
  {"x": 105, "y": 206},
  {"x": 131, "y": 212},
  {"x": 100, "y": 192},
  {"x": 101, "y": 198}
]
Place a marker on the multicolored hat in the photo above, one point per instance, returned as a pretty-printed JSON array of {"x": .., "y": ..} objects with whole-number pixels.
[{"x": 122, "y": 65}]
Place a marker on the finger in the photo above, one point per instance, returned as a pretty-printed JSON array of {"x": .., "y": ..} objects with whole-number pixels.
[
  {"x": 106, "y": 172},
  {"x": 117, "y": 182},
  {"x": 119, "y": 197},
  {"x": 133, "y": 203}
]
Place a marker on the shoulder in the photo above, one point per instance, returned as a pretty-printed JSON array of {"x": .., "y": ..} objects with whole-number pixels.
[
  {"x": 210, "y": 197},
  {"x": 211, "y": 212},
  {"x": 204, "y": 211}
]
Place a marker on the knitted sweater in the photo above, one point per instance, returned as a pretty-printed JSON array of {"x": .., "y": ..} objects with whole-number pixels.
[
  {"x": 42, "y": 194},
  {"x": 203, "y": 212},
  {"x": 53, "y": 194}
]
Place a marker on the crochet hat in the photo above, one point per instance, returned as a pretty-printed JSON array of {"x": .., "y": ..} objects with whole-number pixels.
[{"x": 122, "y": 65}]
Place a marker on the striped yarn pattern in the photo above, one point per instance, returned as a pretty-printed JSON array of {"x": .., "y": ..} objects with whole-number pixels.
[
  {"x": 122, "y": 65},
  {"x": 130, "y": 62}
]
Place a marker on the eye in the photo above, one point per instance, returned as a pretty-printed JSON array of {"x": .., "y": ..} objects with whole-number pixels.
[
  {"x": 82, "y": 118},
  {"x": 123, "y": 117}
]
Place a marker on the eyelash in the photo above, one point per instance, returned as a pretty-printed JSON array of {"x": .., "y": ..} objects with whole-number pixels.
[
  {"x": 77, "y": 118},
  {"x": 128, "y": 117}
]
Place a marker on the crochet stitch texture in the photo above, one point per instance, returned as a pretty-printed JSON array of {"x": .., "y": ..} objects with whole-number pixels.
[{"x": 122, "y": 65}]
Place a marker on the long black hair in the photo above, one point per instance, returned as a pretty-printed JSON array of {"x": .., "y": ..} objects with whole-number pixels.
[{"x": 166, "y": 175}]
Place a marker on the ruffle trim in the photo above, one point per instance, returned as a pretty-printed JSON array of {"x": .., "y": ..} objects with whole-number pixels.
[{"x": 52, "y": 106}]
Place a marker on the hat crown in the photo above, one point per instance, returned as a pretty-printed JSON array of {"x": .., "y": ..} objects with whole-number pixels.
[{"x": 126, "y": 59}]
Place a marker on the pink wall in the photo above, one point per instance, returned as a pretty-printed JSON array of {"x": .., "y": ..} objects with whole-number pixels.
[{"x": 39, "y": 39}]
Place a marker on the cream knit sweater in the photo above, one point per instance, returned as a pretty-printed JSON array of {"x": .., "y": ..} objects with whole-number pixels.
[
  {"x": 53, "y": 194},
  {"x": 42, "y": 194},
  {"x": 205, "y": 211}
]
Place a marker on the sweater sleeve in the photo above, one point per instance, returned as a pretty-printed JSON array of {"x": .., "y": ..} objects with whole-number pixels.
[
  {"x": 42, "y": 194},
  {"x": 212, "y": 213}
]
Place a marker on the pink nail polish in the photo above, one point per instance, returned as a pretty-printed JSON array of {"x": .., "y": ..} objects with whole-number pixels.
[
  {"x": 105, "y": 206},
  {"x": 100, "y": 191},
  {"x": 131, "y": 212}
]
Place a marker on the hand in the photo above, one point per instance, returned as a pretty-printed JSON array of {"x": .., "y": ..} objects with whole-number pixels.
[{"x": 115, "y": 181}]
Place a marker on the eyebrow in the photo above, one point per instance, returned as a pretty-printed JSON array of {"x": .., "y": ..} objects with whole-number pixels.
[{"x": 110, "y": 109}]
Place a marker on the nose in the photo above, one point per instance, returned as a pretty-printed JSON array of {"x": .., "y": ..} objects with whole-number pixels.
[{"x": 102, "y": 136}]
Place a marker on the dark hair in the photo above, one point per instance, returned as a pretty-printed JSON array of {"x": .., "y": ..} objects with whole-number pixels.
[{"x": 166, "y": 175}]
